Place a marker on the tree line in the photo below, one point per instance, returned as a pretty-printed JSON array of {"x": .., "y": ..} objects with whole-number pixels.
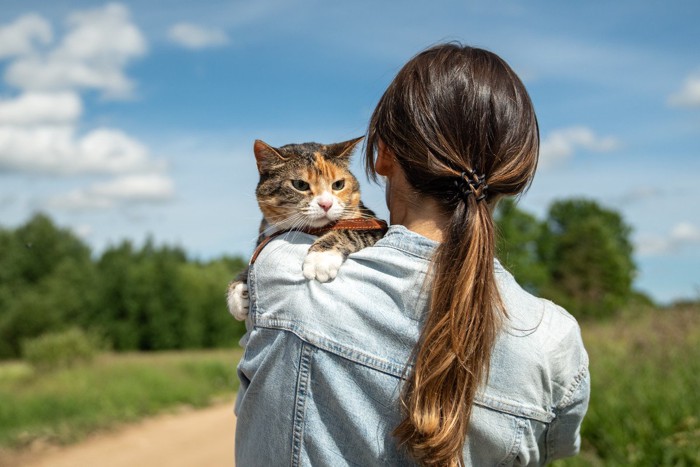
[
  {"x": 579, "y": 256},
  {"x": 146, "y": 298},
  {"x": 156, "y": 298}
]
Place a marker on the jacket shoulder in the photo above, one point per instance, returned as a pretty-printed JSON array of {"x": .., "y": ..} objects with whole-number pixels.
[{"x": 540, "y": 349}]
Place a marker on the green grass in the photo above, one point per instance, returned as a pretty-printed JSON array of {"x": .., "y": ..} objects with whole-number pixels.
[
  {"x": 645, "y": 404},
  {"x": 65, "y": 405},
  {"x": 645, "y": 390}
]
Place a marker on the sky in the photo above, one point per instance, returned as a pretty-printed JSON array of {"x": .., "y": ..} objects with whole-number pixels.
[{"x": 136, "y": 119}]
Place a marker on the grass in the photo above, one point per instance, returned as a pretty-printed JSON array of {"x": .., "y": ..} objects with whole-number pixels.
[
  {"x": 645, "y": 404},
  {"x": 645, "y": 390},
  {"x": 65, "y": 405}
]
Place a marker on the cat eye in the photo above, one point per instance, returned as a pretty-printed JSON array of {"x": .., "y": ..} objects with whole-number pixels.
[
  {"x": 338, "y": 184},
  {"x": 300, "y": 185}
]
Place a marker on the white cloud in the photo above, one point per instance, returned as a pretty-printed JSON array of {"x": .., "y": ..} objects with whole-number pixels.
[
  {"x": 55, "y": 149},
  {"x": 92, "y": 55},
  {"x": 41, "y": 108},
  {"x": 23, "y": 35},
  {"x": 115, "y": 152},
  {"x": 685, "y": 233},
  {"x": 193, "y": 36},
  {"x": 681, "y": 236},
  {"x": 79, "y": 200},
  {"x": 83, "y": 231},
  {"x": 148, "y": 188},
  {"x": 689, "y": 95},
  {"x": 39, "y": 127},
  {"x": 561, "y": 144}
]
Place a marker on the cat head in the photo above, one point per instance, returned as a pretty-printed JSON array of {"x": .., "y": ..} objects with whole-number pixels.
[{"x": 306, "y": 185}]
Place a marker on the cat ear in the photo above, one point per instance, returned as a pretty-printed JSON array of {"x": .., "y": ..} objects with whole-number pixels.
[
  {"x": 265, "y": 155},
  {"x": 344, "y": 150}
]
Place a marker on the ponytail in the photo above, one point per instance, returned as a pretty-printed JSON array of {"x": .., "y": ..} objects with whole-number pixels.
[
  {"x": 458, "y": 121},
  {"x": 453, "y": 353}
]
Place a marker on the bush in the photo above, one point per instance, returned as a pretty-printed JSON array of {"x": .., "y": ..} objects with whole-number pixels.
[{"x": 60, "y": 349}]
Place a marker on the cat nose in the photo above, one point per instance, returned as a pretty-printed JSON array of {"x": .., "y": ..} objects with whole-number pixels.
[{"x": 325, "y": 204}]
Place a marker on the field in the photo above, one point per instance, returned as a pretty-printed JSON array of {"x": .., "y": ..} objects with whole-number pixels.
[
  {"x": 63, "y": 406},
  {"x": 645, "y": 390},
  {"x": 645, "y": 406}
]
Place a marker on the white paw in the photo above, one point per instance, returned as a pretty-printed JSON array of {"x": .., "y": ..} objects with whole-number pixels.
[
  {"x": 322, "y": 265},
  {"x": 237, "y": 300}
]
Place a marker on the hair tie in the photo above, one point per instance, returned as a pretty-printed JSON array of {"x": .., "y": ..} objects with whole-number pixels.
[{"x": 471, "y": 183}]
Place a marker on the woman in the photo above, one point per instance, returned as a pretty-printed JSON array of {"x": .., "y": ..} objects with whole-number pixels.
[{"x": 423, "y": 350}]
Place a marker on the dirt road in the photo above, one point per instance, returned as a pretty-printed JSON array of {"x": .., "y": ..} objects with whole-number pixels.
[{"x": 199, "y": 438}]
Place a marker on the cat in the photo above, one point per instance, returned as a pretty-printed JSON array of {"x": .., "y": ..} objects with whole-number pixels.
[{"x": 308, "y": 187}]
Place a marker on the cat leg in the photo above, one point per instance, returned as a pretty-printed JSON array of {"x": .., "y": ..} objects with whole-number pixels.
[
  {"x": 328, "y": 253},
  {"x": 237, "y": 300},
  {"x": 322, "y": 265},
  {"x": 237, "y": 296}
]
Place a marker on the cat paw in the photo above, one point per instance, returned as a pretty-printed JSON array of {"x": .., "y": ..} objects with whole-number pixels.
[
  {"x": 322, "y": 265},
  {"x": 237, "y": 300}
]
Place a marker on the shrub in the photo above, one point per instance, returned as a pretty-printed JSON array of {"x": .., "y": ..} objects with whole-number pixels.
[{"x": 60, "y": 349}]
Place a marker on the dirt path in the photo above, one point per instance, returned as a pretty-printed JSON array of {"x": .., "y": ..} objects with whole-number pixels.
[{"x": 200, "y": 438}]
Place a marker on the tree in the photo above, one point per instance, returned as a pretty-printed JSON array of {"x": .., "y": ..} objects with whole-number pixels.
[
  {"x": 148, "y": 298},
  {"x": 38, "y": 249},
  {"x": 153, "y": 298},
  {"x": 164, "y": 300},
  {"x": 46, "y": 282},
  {"x": 120, "y": 308},
  {"x": 517, "y": 245},
  {"x": 587, "y": 251},
  {"x": 207, "y": 322},
  {"x": 142, "y": 302}
]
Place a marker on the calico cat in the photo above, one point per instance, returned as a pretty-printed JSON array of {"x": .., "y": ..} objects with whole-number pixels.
[{"x": 309, "y": 187}]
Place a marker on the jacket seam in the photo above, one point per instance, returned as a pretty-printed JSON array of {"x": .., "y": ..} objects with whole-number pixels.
[
  {"x": 397, "y": 371},
  {"x": 300, "y": 402},
  {"x": 391, "y": 368},
  {"x": 515, "y": 409},
  {"x": 420, "y": 255},
  {"x": 515, "y": 447},
  {"x": 580, "y": 376},
  {"x": 566, "y": 401}
]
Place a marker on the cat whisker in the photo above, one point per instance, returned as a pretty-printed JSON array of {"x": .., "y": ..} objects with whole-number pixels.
[
  {"x": 276, "y": 221},
  {"x": 352, "y": 213},
  {"x": 297, "y": 227},
  {"x": 294, "y": 223},
  {"x": 273, "y": 225},
  {"x": 295, "y": 212}
]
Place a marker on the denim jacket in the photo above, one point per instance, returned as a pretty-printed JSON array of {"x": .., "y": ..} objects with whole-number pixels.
[{"x": 321, "y": 374}]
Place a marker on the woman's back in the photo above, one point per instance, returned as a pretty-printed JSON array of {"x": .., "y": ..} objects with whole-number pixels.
[{"x": 320, "y": 379}]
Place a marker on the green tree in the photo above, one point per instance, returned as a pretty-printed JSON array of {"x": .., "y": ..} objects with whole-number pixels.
[
  {"x": 207, "y": 321},
  {"x": 588, "y": 254},
  {"x": 519, "y": 234},
  {"x": 148, "y": 298},
  {"x": 142, "y": 301},
  {"x": 46, "y": 282},
  {"x": 38, "y": 249},
  {"x": 155, "y": 299},
  {"x": 164, "y": 300},
  {"x": 119, "y": 306}
]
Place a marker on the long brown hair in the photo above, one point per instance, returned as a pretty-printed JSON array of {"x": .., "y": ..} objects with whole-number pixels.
[{"x": 454, "y": 114}]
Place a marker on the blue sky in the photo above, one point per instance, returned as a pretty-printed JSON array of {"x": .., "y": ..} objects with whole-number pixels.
[{"x": 123, "y": 120}]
